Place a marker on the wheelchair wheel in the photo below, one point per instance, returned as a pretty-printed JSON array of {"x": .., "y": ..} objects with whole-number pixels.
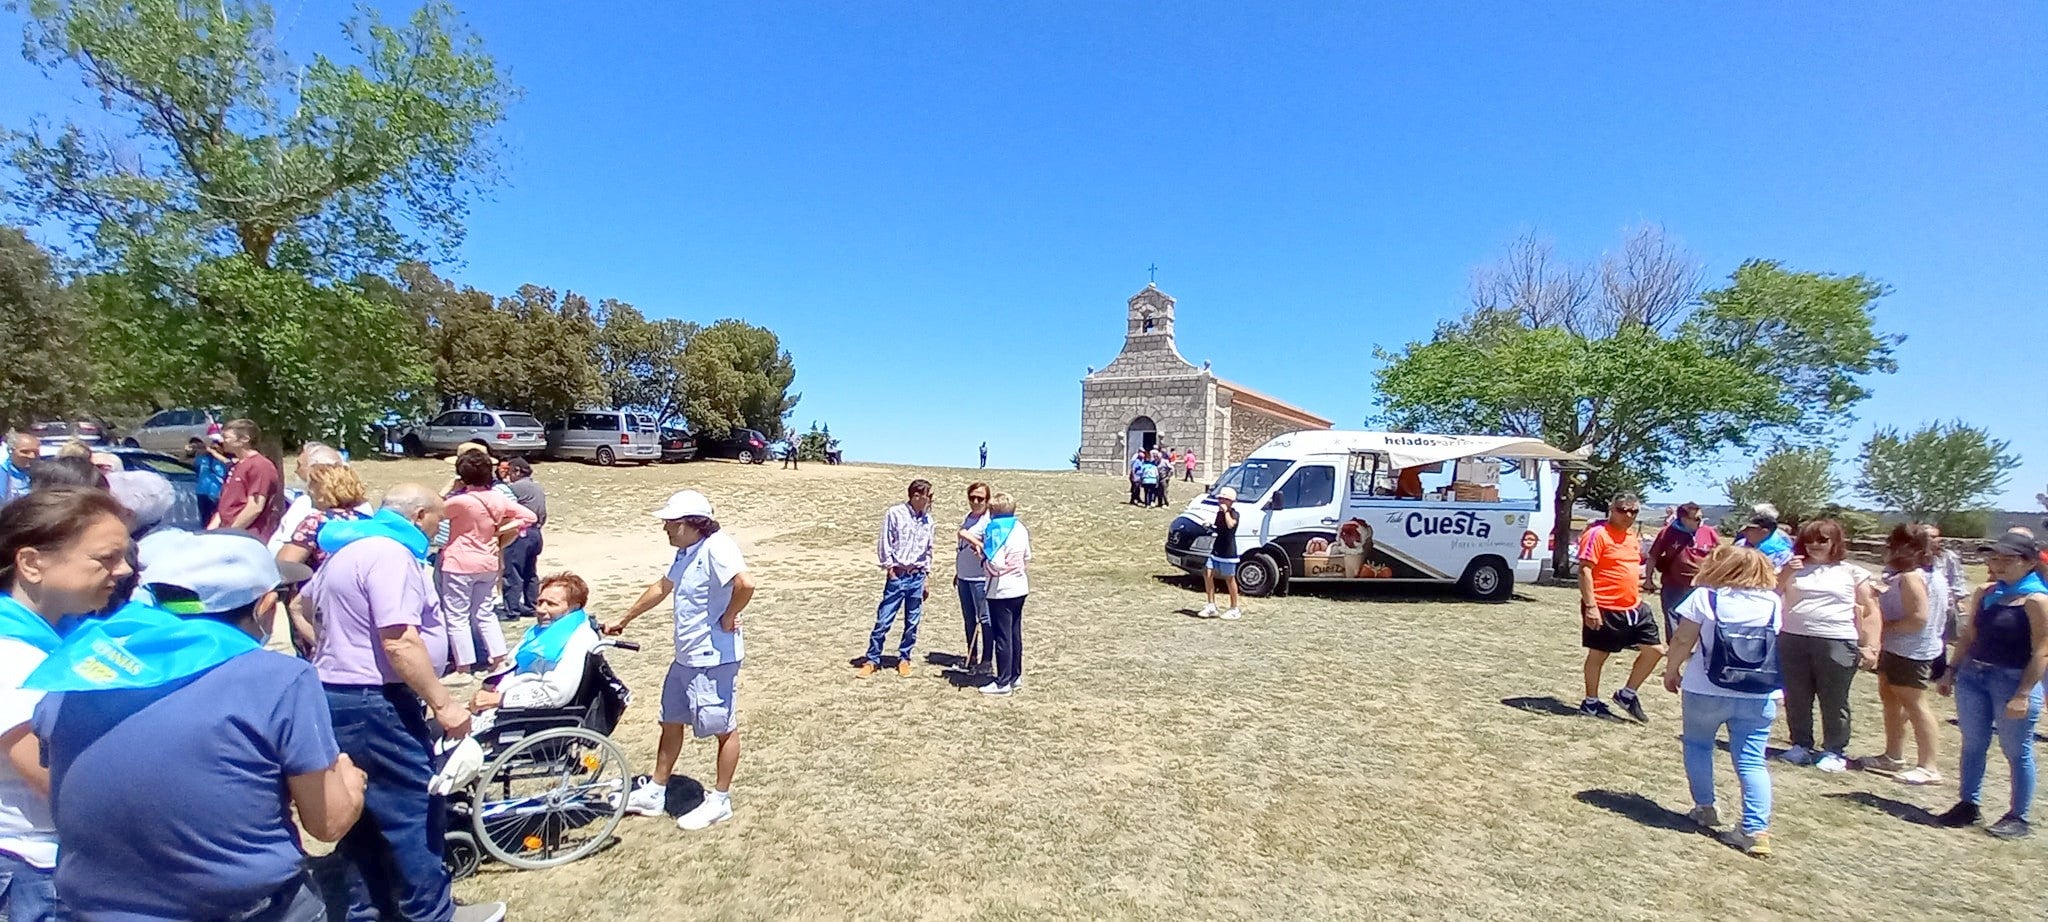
[
  {"x": 460, "y": 855},
  {"x": 551, "y": 798}
]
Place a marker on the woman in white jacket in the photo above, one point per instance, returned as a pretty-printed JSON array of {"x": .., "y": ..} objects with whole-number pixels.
[{"x": 1005, "y": 548}]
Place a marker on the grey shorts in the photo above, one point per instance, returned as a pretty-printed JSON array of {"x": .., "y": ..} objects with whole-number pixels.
[{"x": 701, "y": 697}]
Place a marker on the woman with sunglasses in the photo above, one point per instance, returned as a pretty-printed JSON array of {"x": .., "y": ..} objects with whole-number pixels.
[
  {"x": 971, "y": 581},
  {"x": 1830, "y": 632}
]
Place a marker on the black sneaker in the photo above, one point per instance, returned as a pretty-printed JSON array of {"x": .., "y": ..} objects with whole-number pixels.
[
  {"x": 2010, "y": 827},
  {"x": 1594, "y": 707},
  {"x": 1633, "y": 704},
  {"x": 1962, "y": 814}
]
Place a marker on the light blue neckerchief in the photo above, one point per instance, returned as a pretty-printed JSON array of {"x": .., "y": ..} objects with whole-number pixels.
[
  {"x": 18, "y": 623},
  {"x": 999, "y": 528},
  {"x": 2001, "y": 590},
  {"x": 547, "y": 644},
  {"x": 139, "y": 646},
  {"x": 336, "y": 534}
]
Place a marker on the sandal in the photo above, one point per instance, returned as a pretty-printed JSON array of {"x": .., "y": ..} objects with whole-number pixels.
[
  {"x": 1918, "y": 775},
  {"x": 1882, "y": 763}
]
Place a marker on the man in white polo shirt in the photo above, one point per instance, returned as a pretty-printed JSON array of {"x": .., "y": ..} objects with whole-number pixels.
[{"x": 709, "y": 585}]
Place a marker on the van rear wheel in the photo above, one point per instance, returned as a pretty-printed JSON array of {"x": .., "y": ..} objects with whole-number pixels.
[
  {"x": 1487, "y": 579},
  {"x": 605, "y": 457},
  {"x": 1257, "y": 576}
]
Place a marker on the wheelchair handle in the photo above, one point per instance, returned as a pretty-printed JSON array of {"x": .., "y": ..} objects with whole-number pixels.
[{"x": 627, "y": 646}]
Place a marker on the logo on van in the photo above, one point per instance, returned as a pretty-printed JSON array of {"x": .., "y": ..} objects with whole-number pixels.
[{"x": 1459, "y": 523}]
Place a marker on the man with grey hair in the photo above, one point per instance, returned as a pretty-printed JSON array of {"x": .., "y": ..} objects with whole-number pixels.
[
  {"x": 377, "y": 662},
  {"x": 23, "y": 448}
]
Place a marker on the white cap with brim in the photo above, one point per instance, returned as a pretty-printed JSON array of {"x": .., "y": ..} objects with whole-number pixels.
[
  {"x": 682, "y": 505},
  {"x": 206, "y": 573}
]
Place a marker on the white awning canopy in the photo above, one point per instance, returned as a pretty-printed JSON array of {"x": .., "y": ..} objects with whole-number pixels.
[{"x": 1408, "y": 449}]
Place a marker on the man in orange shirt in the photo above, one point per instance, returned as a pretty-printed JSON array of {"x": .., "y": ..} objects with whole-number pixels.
[{"x": 1613, "y": 616}]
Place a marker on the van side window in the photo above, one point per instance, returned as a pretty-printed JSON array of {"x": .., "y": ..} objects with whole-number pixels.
[{"x": 1312, "y": 486}]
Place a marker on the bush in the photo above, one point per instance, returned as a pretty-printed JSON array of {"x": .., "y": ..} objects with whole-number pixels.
[
  {"x": 1969, "y": 523},
  {"x": 1856, "y": 522}
]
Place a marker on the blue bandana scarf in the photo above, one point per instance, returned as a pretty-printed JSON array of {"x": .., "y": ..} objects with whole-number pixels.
[
  {"x": 18, "y": 623},
  {"x": 336, "y": 534},
  {"x": 2002, "y": 590},
  {"x": 545, "y": 645},
  {"x": 139, "y": 646},
  {"x": 999, "y": 528}
]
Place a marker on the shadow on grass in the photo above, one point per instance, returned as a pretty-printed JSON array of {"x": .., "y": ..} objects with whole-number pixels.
[
  {"x": 1897, "y": 809},
  {"x": 1639, "y": 808},
  {"x": 1547, "y": 704}
]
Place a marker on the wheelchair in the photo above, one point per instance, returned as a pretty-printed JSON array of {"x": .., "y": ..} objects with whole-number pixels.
[{"x": 553, "y": 786}]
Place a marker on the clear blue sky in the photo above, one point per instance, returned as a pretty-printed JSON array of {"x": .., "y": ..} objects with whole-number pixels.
[{"x": 924, "y": 199}]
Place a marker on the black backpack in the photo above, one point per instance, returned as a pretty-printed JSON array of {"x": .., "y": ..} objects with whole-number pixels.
[{"x": 1744, "y": 658}]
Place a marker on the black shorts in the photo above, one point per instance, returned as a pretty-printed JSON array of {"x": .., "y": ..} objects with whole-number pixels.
[
  {"x": 1621, "y": 630},
  {"x": 1906, "y": 672}
]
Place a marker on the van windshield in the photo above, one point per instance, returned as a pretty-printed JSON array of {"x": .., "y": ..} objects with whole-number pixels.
[{"x": 1254, "y": 477}]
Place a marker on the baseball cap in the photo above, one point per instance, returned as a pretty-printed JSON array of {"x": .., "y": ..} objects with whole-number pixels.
[
  {"x": 683, "y": 504},
  {"x": 206, "y": 572},
  {"x": 2013, "y": 544},
  {"x": 1762, "y": 521}
]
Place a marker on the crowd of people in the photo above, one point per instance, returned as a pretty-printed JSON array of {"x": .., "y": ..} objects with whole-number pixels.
[
  {"x": 1770, "y": 623},
  {"x": 1153, "y": 471},
  {"x": 992, "y": 557}
]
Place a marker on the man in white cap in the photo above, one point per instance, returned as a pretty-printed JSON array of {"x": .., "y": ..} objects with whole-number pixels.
[
  {"x": 709, "y": 585},
  {"x": 178, "y": 747}
]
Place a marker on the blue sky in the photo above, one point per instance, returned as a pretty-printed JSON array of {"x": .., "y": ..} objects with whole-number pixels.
[{"x": 925, "y": 200}]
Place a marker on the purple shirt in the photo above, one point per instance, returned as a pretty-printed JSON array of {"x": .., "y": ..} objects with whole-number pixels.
[
  {"x": 371, "y": 584},
  {"x": 906, "y": 539}
]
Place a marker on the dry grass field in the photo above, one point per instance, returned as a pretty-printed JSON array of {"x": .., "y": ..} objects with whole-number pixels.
[{"x": 1329, "y": 756}]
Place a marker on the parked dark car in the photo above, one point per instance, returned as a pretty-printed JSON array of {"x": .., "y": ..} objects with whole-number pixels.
[
  {"x": 747, "y": 446},
  {"x": 677, "y": 445}
]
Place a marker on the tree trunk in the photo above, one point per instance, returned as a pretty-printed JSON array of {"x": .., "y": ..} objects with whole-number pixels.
[{"x": 1561, "y": 525}]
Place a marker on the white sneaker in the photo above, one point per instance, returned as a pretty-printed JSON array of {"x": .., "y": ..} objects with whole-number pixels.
[
  {"x": 1831, "y": 762},
  {"x": 648, "y": 799},
  {"x": 1232, "y": 615},
  {"x": 1797, "y": 755},
  {"x": 995, "y": 690},
  {"x": 716, "y": 808},
  {"x": 480, "y": 912},
  {"x": 1208, "y": 611}
]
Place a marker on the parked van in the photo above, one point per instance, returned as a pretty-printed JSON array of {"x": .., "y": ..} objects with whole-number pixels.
[
  {"x": 1334, "y": 506},
  {"x": 604, "y": 436}
]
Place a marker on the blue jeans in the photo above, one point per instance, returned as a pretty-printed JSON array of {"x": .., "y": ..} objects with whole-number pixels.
[
  {"x": 1749, "y": 728},
  {"x": 395, "y": 849},
  {"x": 981, "y": 641},
  {"x": 907, "y": 593},
  {"x": 522, "y": 573},
  {"x": 1981, "y": 693},
  {"x": 31, "y": 891}
]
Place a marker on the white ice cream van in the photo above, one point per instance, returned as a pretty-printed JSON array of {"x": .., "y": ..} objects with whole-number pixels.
[{"x": 1334, "y": 506}]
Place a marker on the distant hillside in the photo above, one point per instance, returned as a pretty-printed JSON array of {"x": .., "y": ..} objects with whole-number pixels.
[{"x": 2036, "y": 520}]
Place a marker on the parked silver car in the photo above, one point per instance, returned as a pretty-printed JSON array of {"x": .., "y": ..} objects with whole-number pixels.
[
  {"x": 507, "y": 432},
  {"x": 604, "y": 436},
  {"x": 169, "y": 431}
]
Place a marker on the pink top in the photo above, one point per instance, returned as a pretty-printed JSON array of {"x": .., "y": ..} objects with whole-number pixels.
[
  {"x": 1189, "y": 460},
  {"x": 474, "y": 517}
]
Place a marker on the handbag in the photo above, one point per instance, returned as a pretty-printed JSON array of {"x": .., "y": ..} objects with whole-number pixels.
[{"x": 1744, "y": 658}]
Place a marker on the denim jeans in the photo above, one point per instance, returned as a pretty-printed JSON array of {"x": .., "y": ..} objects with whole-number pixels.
[
  {"x": 1981, "y": 693},
  {"x": 1749, "y": 728},
  {"x": 1672, "y": 597},
  {"x": 522, "y": 573},
  {"x": 981, "y": 641},
  {"x": 1006, "y": 617},
  {"x": 396, "y": 847},
  {"x": 31, "y": 891},
  {"x": 905, "y": 592},
  {"x": 297, "y": 901}
]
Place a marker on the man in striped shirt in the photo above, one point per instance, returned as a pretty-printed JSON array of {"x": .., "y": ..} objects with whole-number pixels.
[{"x": 904, "y": 552}]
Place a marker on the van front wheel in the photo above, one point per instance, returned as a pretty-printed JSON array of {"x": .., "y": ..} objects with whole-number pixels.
[
  {"x": 1488, "y": 579},
  {"x": 1257, "y": 576}
]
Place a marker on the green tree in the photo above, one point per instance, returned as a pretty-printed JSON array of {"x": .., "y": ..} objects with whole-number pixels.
[
  {"x": 737, "y": 375},
  {"x": 246, "y": 176},
  {"x": 1628, "y": 371},
  {"x": 530, "y": 352},
  {"x": 812, "y": 445},
  {"x": 1936, "y": 471},
  {"x": 639, "y": 361},
  {"x": 1799, "y": 481},
  {"x": 43, "y": 335},
  {"x": 1811, "y": 332}
]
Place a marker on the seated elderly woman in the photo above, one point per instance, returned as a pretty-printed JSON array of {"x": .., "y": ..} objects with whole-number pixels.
[{"x": 548, "y": 665}]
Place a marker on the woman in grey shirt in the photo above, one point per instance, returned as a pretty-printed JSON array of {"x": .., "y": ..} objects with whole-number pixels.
[{"x": 1915, "y": 608}]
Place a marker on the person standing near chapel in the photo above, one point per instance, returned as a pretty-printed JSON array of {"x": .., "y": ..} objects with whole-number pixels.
[
  {"x": 904, "y": 552},
  {"x": 709, "y": 585}
]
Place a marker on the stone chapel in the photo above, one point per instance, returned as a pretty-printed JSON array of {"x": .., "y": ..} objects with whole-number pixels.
[{"x": 1150, "y": 397}]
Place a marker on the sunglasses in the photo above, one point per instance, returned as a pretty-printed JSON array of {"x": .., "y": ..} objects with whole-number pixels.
[
  {"x": 1626, "y": 511},
  {"x": 976, "y": 499}
]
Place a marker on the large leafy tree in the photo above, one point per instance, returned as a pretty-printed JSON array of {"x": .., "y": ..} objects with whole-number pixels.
[
  {"x": 43, "y": 335},
  {"x": 1801, "y": 482},
  {"x": 225, "y": 227},
  {"x": 737, "y": 375},
  {"x": 1935, "y": 471},
  {"x": 639, "y": 361},
  {"x": 529, "y": 352},
  {"x": 1637, "y": 369}
]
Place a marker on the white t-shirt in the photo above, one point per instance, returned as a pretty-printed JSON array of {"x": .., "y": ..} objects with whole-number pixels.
[
  {"x": 703, "y": 575},
  {"x": 967, "y": 560},
  {"x": 26, "y": 828},
  {"x": 1012, "y": 558},
  {"x": 1734, "y": 607},
  {"x": 1822, "y": 602}
]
